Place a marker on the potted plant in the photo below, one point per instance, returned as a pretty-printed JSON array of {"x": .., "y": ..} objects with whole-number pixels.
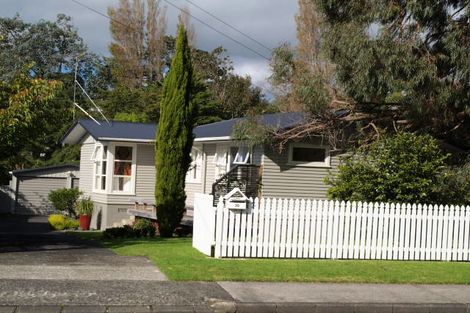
[{"x": 84, "y": 210}]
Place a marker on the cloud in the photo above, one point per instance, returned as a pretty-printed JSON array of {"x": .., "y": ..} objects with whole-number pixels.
[{"x": 271, "y": 22}]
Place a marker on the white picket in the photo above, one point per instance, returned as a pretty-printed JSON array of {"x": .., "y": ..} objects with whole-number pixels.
[
  {"x": 277, "y": 239},
  {"x": 412, "y": 246},
  {"x": 301, "y": 232},
  {"x": 307, "y": 234},
  {"x": 357, "y": 231},
  {"x": 455, "y": 246},
  {"x": 346, "y": 236},
  {"x": 272, "y": 231},
  {"x": 466, "y": 237},
  {"x": 283, "y": 244}
]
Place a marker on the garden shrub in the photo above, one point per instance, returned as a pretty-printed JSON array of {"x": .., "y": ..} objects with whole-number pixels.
[
  {"x": 141, "y": 228},
  {"x": 144, "y": 227},
  {"x": 61, "y": 222},
  {"x": 125, "y": 231},
  {"x": 65, "y": 200},
  {"x": 400, "y": 168}
]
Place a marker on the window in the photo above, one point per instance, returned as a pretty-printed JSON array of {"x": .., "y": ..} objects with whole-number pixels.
[
  {"x": 100, "y": 156},
  {"x": 194, "y": 173},
  {"x": 308, "y": 154},
  {"x": 123, "y": 169},
  {"x": 220, "y": 161},
  {"x": 242, "y": 156}
]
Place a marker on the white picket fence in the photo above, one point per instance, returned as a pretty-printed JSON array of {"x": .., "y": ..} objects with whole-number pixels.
[{"x": 286, "y": 228}]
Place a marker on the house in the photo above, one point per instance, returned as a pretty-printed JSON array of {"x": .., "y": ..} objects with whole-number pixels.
[
  {"x": 117, "y": 164},
  {"x": 29, "y": 188}
]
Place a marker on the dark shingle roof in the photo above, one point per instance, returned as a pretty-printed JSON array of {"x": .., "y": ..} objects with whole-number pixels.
[{"x": 146, "y": 132}]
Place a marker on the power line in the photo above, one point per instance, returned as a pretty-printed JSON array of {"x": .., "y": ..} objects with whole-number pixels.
[
  {"x": 217, "y": 31},
  {"x": 230, "y": 26},
  {"x": 182, "y": 10}
]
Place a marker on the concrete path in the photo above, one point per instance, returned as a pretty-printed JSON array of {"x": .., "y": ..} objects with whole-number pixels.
[
  {"x": 346, "y": 293},
  {"x": 30, "y": 250}
]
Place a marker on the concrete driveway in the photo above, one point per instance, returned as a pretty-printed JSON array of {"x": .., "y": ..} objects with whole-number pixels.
[{"x": 29, "y": 249}]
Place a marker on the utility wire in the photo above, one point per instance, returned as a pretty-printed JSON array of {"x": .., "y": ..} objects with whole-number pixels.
[
  {"x": 230, "y": 26},
  {"x": 216, "y": 30},
  {"x": 182, "y": 10}
]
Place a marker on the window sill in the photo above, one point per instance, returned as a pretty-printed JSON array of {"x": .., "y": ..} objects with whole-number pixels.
[{"x": 193, "y": 181}]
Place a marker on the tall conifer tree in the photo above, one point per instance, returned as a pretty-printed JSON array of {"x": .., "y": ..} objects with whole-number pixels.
[{"x": 174, "y": 138}]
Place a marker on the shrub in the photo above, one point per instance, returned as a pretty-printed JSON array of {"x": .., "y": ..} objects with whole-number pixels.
[
  {"x": 61, "y": 222},
  {"x": 401, "y": 168},
  {"x": 125, "y": 231},
  {"x": 85, "y": 207},
  {"x": 143, "y": 227},
  {"x": 453, "y": 186},
  {"x": 65, "y": 200}
]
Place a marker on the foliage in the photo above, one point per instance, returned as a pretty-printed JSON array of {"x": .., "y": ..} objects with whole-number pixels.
[
  {"x": 125, "y": 231},
  {"x": 404, "y": 61},
  {"x": 303, "y": 76},
  {"x": 253, "y": 132},
  {"x": 143, "y": 227},
  {"x": 61, "y": 222},
  {"x": 174, "y": 139},
  {"x": 453, "y": 186},
  {"x": 400, "y": 168},
  {"x": 138, "y": 33},
  {"x": 23, "y": 103},
  {"x": 131, "y": 117},
  {"x": 50, "y": 46},
  {"x": 228, "y": 95},
  {"x": 180, "y": 261},
  {"x": 65, "y": 199},
  {"x": 84, "y": 206}
]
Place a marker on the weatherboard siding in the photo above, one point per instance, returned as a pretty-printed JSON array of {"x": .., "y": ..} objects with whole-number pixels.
[
  {"x": 209, "y": 170},
  {"x": 145, "y": 179},
  {"x": 282, "y": 180},
  {"x": 86, "y": 167}
]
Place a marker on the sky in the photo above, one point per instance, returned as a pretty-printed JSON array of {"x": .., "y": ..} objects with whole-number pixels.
[{"x": 271, "y": 22}]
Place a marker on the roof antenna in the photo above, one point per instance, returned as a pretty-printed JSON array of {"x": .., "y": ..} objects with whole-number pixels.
[
  {"x": 86, "y": 113},
  {"x": 84, "y": 91}
]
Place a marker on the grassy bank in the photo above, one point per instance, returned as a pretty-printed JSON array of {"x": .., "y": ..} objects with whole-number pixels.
[{"x": 179, "y": 261}]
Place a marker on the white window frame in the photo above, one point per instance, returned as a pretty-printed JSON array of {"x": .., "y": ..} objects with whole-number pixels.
[
  {"x": 325, "y": 163},
  {"x": 101, "y": 147},
  {"x": 243, "y": 159},
  {"x": 196, "y": 165},
  {"x": 111, "y": 177}
]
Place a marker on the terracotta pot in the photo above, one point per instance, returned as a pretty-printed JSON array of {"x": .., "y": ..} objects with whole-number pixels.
[{"x": 85, "y": 222}]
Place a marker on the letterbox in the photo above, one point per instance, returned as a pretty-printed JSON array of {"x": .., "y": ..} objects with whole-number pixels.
[{"x": 236, "y": 200}]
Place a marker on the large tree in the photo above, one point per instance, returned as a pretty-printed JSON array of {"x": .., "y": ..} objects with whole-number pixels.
[
  {"x": 174, "y": 138},
  {"x": 138, "y": 46},
  {"x": 404, "y": 62},
  {"x": 50, "y": 47}
]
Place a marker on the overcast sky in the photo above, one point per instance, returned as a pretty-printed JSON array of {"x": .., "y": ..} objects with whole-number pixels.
[{"x": 271, "y": 22}]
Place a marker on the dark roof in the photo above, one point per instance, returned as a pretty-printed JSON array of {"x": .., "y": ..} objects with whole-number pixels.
[
  {"x": 45, "y": 168},
  {"x": 116, "y": 130}
]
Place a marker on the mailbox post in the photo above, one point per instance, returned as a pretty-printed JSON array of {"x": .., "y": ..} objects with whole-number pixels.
[{"x": 236, "y": 200}]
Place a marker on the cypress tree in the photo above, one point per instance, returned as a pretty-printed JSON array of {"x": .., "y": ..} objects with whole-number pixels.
[{"x": 174, "y": 138}]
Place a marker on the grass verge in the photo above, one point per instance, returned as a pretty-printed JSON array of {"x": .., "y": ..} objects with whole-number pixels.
[{"x": 179, "y": 261}]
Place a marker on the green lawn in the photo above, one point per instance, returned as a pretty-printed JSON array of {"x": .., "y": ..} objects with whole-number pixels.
[{"x": 179, "y": 261}]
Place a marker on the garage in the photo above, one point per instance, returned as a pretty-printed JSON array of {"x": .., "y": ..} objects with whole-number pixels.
[{"x": 29, "y": 188}]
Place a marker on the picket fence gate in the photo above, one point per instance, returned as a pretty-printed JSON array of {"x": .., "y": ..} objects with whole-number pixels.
[{"x": 304, "y": 228}]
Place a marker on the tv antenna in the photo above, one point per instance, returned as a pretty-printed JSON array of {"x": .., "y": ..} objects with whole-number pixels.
[{"x": 76, "y": 83}]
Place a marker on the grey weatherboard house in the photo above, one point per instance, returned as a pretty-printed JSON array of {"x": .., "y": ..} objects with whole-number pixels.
[{"x": 117, "y": 164}]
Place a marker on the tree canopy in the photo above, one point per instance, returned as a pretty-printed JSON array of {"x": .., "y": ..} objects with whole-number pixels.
[{"x": 404, "y": 62}]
